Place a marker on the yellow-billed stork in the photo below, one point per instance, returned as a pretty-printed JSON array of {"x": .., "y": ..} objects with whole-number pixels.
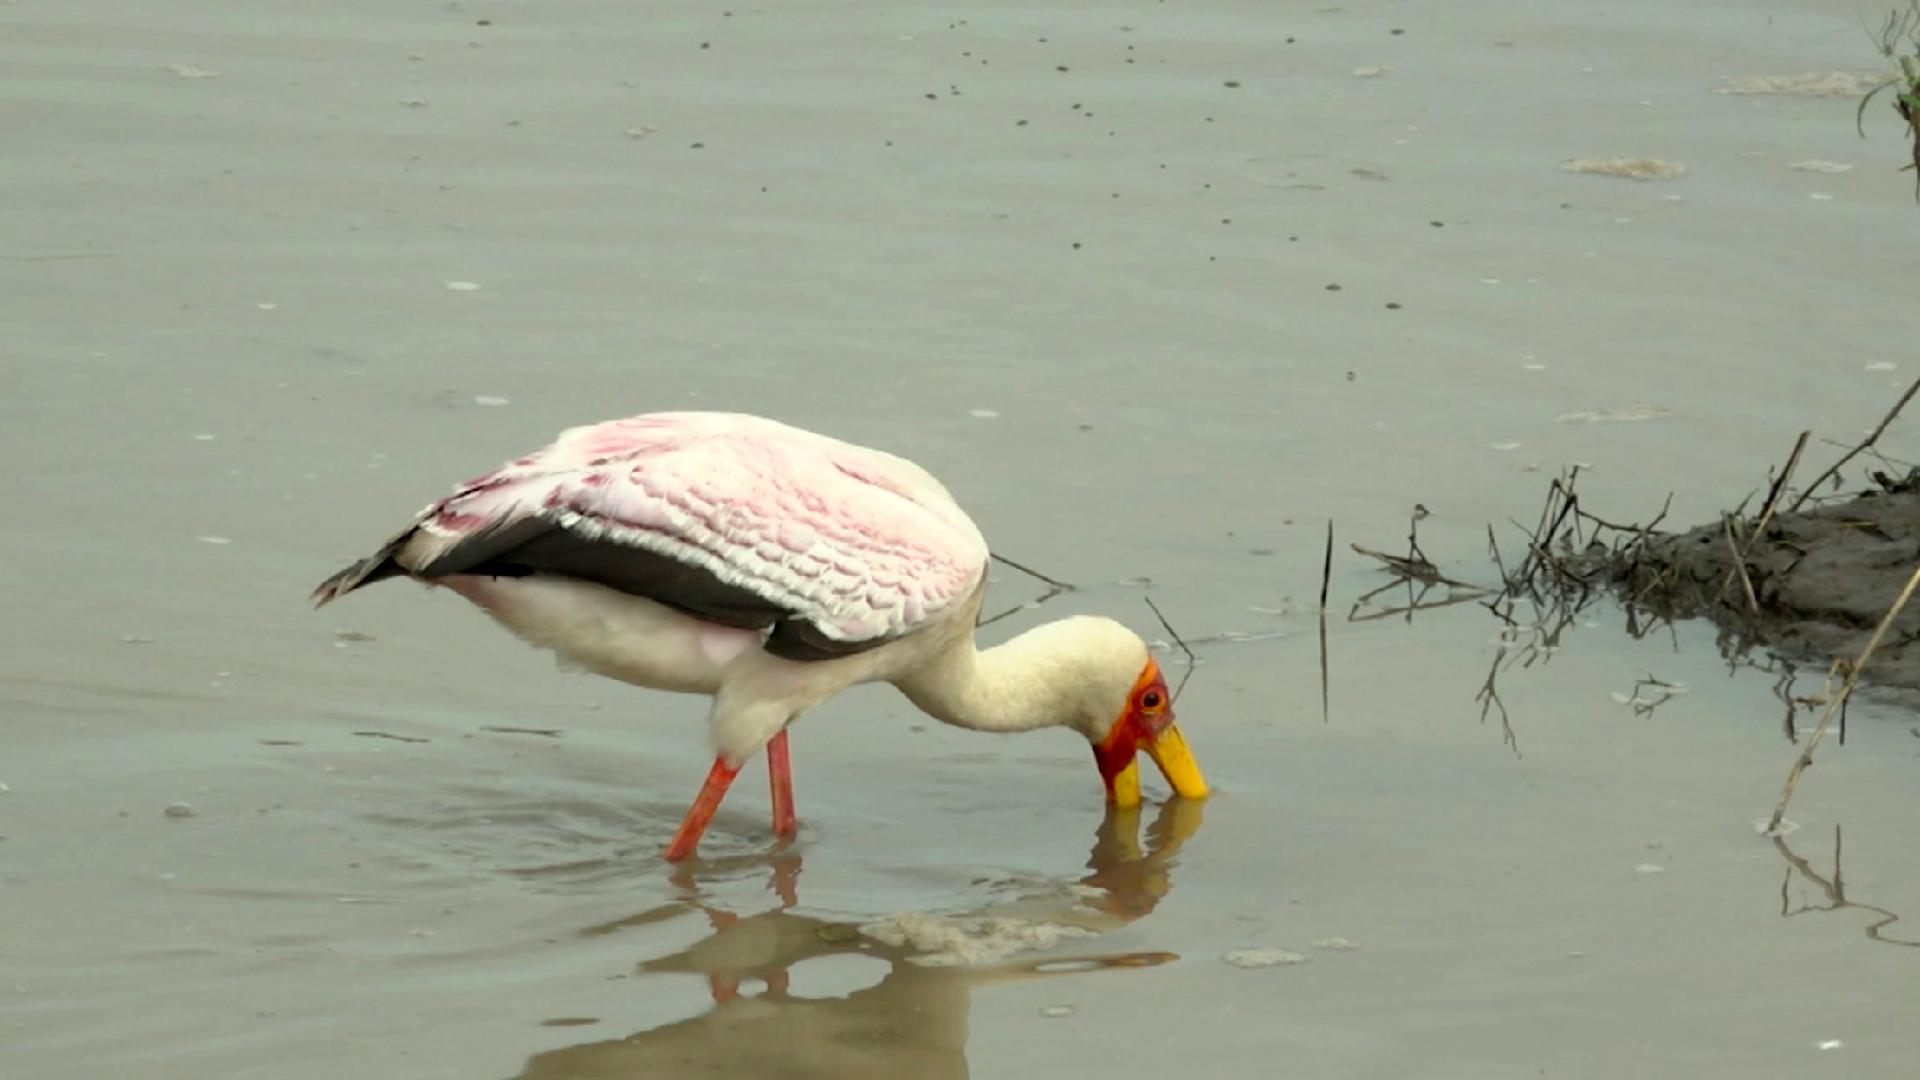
[{"x": 770, "y": 567}]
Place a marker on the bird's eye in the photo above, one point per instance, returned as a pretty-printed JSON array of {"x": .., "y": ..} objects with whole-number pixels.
[{"x": 1152, "y": 699}]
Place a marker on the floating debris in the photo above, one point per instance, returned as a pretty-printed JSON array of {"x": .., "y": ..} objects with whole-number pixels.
[
  {"x": 189, "y": 71},
  {"x": 463, "y": 286},
  {"x": 491, "y": 401},
  {"x": 502, "y": 729},
  {"x": 941, "y": 941},
  {"x": 390, "y": 735},
  {"x": 1055, "y": 1012},
  {"x": 353, "y": 635},
  {"x": 1639, "y": 168},
  {"x": 1820, "y": 165},
  {"x": 179, "y": 810},
  {"x": 1335, "y": 944},
  {"x": 214, "y": 539},
  {"x": 1811, "y": 84},
  {"x": 1629, "y": 414},
  {"x": 1369, "y": 72},
  {"x": 1649, "y": 868},
  {"x": 984, "y": 414},
  {"x": 1261, "y": 958},
  {"x": 1831, "y": 1044},
  {"x": 1248, "y": 636}
]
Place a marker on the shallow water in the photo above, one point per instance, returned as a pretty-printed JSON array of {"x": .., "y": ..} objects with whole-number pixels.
[{"x": 235, "y": 355}]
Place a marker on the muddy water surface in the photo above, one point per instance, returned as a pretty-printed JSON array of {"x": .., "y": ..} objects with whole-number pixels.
[{"x": 272, "y": 275}]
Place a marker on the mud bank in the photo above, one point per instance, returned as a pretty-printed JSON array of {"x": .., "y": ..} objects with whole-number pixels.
[{"x": 1821, "y": 580}]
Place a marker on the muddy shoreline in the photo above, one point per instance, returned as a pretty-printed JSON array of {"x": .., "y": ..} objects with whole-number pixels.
[{"x": 1821, "y": 580}]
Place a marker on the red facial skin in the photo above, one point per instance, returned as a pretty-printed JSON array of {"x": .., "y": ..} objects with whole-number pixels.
[{"x": 1149, "y": 711}]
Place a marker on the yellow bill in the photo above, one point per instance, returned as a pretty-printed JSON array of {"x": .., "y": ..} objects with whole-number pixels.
[
  {"x": 1124, "y": 789},
  {"x": 1169, "y": 751}
]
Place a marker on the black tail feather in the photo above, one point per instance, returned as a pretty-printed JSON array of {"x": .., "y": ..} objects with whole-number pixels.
[{"x": 376, "y": 567}]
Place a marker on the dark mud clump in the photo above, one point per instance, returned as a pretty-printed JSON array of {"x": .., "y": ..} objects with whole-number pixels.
[{"x": 1821, "y": 580}]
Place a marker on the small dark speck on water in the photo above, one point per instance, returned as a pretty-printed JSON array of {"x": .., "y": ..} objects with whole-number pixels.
[
  {"x": 1226, "y": 221},
  {"x": 933, "y": 97},
  {"x": 1396, "y": 30},
  {"x": 1076, "y": 245},
  {"x": 1232, "y": 84},
  {"x": 570, "y": 1021},
  {"x": 706, "y": 44},
  {"x": 1351, "y": 376},
  {"x": 1019, "y": 123},
  {"x": 1392, "y": 306},
  {"x": 178, "y": 810},
  {"x": 1333, "y": 288},
  {"x": 1062, "y": 67},
  {"x": 1438, "y": 224},
  {"x": 699, "y": 146},
  {"x": 484, "y": 22}
]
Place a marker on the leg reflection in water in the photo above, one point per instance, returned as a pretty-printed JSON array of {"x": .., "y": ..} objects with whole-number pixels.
[{"x": 912, "y": 1022}]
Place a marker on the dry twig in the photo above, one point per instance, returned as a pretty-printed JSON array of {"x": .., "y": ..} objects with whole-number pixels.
[
  {"x": 1192, "y": 660},
  {"x": 1838, "y": 701},
  {"x": 1834, "y": 469}
]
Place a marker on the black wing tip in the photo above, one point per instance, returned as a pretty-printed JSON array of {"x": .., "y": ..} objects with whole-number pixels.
[{"x": 364, "y": 572}]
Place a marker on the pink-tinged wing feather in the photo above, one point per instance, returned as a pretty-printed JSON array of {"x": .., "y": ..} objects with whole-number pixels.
[{"x": 860, "y": 543}]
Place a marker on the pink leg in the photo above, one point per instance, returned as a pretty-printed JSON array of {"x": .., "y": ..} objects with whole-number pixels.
[
  {"x": 701, "y": 812},
  {"x": 780, "y": 773}
]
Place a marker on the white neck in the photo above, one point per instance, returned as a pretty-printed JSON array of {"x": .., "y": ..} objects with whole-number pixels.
[{"x": 1032, "y": 681}]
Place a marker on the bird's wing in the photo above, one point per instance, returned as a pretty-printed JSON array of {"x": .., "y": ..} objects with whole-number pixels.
[{"x": 740, "y": 520}]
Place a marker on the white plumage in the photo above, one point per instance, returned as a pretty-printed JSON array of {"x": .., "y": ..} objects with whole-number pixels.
[{"x": 769, "y": 567}]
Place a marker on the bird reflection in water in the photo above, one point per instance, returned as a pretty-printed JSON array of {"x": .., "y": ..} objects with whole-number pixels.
[{"x": 912, "y": 1022}]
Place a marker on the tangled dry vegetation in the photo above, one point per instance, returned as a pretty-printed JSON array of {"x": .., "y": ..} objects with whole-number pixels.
[{"x": 1818, "y": 574}]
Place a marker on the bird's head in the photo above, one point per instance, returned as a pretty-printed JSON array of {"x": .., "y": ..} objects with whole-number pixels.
[{"x": 1128, "y": 710}]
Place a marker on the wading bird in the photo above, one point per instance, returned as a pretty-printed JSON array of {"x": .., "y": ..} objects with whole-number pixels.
[{"x": 771, "y": 568}]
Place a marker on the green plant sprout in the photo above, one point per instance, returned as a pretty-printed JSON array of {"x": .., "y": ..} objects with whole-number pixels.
[{"x": 1901, "y": 31}]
